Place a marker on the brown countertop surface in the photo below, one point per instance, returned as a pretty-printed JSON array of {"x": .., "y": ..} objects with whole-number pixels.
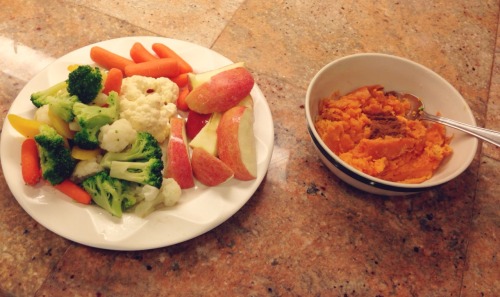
[{"x": 304, "y": 232}]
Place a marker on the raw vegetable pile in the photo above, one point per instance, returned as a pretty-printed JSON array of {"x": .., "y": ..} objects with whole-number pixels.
[{"x": 112, "y": 135}]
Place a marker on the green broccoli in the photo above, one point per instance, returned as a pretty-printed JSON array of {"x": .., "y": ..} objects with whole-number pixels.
[
  {"x": 85, "y": 82},
  {"x": 144, "y": 147},
  {"x": 60, "y": 101},
  {"x": 55, "y": 157},
  {"x": 111, "y": 194},
  {"x": 91, "y": 118},
  {"x": 146, "y": 172}
]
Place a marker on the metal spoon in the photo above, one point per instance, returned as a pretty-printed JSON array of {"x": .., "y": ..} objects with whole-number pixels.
[{"x": 417, "y": 112}]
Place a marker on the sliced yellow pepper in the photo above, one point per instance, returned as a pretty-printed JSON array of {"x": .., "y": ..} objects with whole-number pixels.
[
  {"x": 27, "y": 127},
  {"x": 81, "y": 154}
]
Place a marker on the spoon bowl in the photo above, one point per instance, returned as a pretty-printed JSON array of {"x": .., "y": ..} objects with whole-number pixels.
[{"x": 417, "y": 111}]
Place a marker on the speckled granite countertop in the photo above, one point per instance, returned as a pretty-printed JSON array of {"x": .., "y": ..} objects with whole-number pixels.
[{"x": 304, "y": 232}]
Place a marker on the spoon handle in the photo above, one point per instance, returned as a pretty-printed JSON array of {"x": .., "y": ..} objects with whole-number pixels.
[{"x": 485, "y": 134}]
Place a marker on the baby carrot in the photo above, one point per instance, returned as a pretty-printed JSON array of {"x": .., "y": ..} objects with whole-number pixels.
[
  {"x": 167, "y": 67},
  {"x": 107, "y": 59},
  {"x": 181, "y": 99},
  {"x": 181, "y": 80},
  {"x": 164, "y": 51},
  {"x": 30, "y": 162},
  {"x": 74, "y": 191},
  {"x": 140, "y": 54},
  {"x": 113, "y": 81}
]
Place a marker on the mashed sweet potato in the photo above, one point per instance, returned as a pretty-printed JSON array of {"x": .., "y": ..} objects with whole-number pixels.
[{"x": 367, "y": 129}]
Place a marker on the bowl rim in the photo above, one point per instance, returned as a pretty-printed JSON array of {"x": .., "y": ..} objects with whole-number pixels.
[{"x": 358, "y": 174}]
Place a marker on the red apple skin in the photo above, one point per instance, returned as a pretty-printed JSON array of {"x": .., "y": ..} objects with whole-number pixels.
[
  {"x": 208, "y": 169},
  {"x": 195, "y": 122},
  {"x": 178, "y": 162},
  {"x": 234, "y": 131},
  {"x": 223, "y": 91}
]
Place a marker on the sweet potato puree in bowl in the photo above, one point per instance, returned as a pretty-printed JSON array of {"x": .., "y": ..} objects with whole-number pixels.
[
  {"x": 357, "y": 125},
  {"x": 367, "y": 129}
]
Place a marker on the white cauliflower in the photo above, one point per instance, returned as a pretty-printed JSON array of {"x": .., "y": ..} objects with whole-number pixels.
[
  {"x": 115, "y": 137},
  {"x": 86, "y": 168},
  {"x": 148, "y": 104},
  {"x": 168, "y": 195},
  {"x": 42, "y": 114}
]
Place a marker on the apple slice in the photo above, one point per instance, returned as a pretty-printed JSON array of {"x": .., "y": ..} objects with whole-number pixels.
[
  {"x": 195, "y": 122},
  {"x": 223, "y": 91},
  {"x": 196, "y": 79},
  {"x": 207, "y": 137},
  {"x": 208, "y": 169},
  {"x": 178, "y": 162},
  {"x": 247, "y": 102},
  {"x": 236, "y": 142}
]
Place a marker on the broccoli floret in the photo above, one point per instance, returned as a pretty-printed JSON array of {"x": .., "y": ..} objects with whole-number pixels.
[
  {"x": 144, "y": 147},
  {"x": 91, "y": 118},
  {"x": 147, "y": 172},
  {"x": 40, "y": 98},
  {"x": 55, "y": 157},
  {"x": 111, "y": 194},
  {"x": 60, "y": 101},
  {"x": 85, "y": 82}
]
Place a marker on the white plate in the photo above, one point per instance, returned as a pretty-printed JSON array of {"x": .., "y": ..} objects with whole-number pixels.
[{"x": 199, "y": 210}]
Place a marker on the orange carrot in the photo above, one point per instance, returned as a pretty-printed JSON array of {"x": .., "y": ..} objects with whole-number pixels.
[
  {"x": 181, "y": 99},
  {"x": 164, "y": 51},
  {"x": 30, "y": 162},
  {"x": 181, "y": 80},
  {"x": 74, "y": 191},
  {"x": 158, "y": 68},
  {"x": 140, "y": 54},
  {"x": 113, "y": 81},
  {"x": 108, "y": 59}
]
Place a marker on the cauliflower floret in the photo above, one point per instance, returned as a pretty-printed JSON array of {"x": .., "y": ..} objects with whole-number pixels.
[
  {"x": 86, "y": 168},
  {"x": 170, "y": 192},
  {"x": 42, "y": 114},
  {"x": 115, "y": 137},
  {"x": 168, "y": 195},
  {"x": 148, "y": 104}
]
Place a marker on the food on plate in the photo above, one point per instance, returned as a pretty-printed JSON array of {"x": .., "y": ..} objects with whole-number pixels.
[
  {"x": 195, "y": 122},
  {"x": 58, "y": 98},
  {"x": 139, "y": 53},
  {"x": 148, "y": 104},
  {"x": 181, "y": 99},
  {"x": 74, "y": 191},
  {"x": 113, "y": 81},
  {"x": 207, "y": 136},
  {"x": 26, "y": 127},
  {"x": 236, "y": 142},
  {"x": 112, "y": 194},
  {"x": 166, "y": 67},
  {"x": 168, "y": 195},
  {"x": 56, "y": 162},
  {"x": 163, "y": 51},
  {"x": 178, "y": 165},
  {"x": 85, "y": 82},
  {"x": 367, "y": 129},
  {"x": 108, "y": 59},
  {"x": 30, "y": 162},
  {"x": 116, "y": 139},
  {"x": 117, "y": 136},
  {"x": 209, "y": 169},
  {"x": 90, "y": 119},
  {"x": 221, "y": 91}
]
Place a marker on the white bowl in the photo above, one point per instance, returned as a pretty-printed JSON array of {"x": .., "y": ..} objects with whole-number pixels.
[{"x": 394, "y": 74}]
